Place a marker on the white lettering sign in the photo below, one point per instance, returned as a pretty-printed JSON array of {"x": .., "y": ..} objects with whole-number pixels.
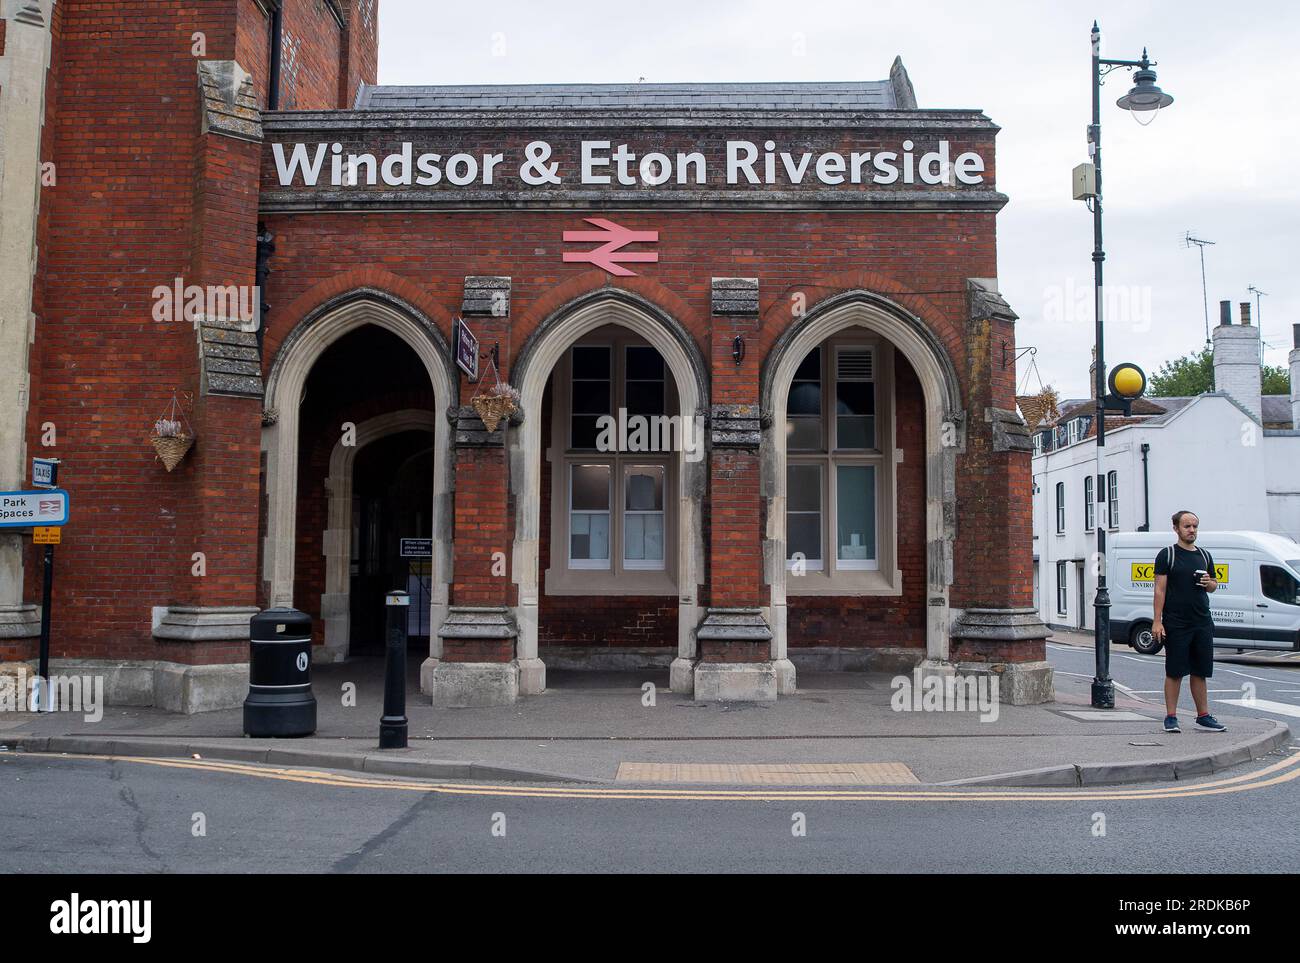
[{"x": 601, "y": 163}]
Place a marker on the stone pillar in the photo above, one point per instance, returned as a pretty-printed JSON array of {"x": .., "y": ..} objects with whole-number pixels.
[
  {"x": 734, "y": 639},
  {"x": 995, "y": 628},
  {"x": 23, "y": 67},
  {"x": 478, "y": 665}
]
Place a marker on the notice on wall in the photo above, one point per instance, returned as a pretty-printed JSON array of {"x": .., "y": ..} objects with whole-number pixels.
[{"x": 417, "y": 548}]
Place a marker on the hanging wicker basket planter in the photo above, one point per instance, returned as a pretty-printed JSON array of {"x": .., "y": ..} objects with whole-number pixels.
[
  {"x": 172, "y": 448},
  {"x": 492, "y": 408},
  {"x": 499, "y": 401},
  {"x": 172, "y": 436}
]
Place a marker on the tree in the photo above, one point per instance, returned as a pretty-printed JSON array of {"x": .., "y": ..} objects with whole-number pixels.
[
  {"x": 1276, "y": 380},
  {"x": 1194, "y": 374},
  {"x": 1181, "y": 377}
]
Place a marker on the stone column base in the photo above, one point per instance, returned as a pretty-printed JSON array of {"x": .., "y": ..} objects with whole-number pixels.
[
  {"x": 478, "y": 667},
  {"x": 1019, "y": 683},
  {"x": 681, "y": 676},
  {"x": 170, "y": 686},
  {"x": 199, "y": 688},
  {"x": 20, "y": 621},
  {"x": 427, "y": 668},
  {"x": 475, "y": 684},
  {"x": 532, "y": 676},
  {"x": 1008, "y": 644},
  {"x": 735, "y": 682},
  {"x": 785, "y": 676},
  {"x": 734, "y": 645},
  {"x": 204, "y": 623}
]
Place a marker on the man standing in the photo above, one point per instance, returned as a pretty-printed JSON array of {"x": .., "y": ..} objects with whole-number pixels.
[{"x": 1184, "y": 579}]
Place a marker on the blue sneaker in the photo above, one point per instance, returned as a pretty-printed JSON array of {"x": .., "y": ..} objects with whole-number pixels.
[
  {"x": 1208, "y": 721},
  {"x": 1171, "y": 724}
]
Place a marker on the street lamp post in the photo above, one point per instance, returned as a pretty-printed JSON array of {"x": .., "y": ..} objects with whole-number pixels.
[{"x": 1145, "y": 96}]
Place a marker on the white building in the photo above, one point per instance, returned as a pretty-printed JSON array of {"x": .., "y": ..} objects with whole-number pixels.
[{"x": 1232, "y": 456}]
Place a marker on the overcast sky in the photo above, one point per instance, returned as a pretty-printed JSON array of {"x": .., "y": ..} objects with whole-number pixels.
[{"x": 1220, "y": 162}]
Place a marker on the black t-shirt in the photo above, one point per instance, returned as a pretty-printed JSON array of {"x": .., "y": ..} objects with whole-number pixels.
[{"x": 1185, "y": 601}]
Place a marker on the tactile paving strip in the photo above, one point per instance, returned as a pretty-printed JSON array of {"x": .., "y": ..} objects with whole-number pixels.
[{"x": 770, "y": 774}]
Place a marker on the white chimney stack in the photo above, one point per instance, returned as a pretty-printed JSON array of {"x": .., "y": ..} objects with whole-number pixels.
[
  {"x": 1236, "y": 359},
  {"x": 1294, "y": 358}
]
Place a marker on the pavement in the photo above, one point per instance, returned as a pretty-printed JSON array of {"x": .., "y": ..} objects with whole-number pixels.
[{"x": 627, "y": 727}]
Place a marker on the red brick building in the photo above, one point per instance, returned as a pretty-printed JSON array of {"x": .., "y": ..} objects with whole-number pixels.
[{"x": 782, "y": 297}]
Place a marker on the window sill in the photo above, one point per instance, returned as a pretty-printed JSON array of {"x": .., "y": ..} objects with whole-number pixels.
[
  {"x": 844, "y": 583},
  {"x": 603, "y": 582}
]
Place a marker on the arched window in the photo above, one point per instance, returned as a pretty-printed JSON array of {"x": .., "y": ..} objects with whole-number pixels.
[
  {"x": 840, "y": 500},
  {"x": 613, "y": 468}
]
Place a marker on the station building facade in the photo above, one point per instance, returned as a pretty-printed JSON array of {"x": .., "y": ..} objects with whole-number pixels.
[{"x": 765, "y": 408}]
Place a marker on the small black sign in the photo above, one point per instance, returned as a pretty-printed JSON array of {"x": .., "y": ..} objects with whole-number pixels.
[{"x": 417, "y": 548}]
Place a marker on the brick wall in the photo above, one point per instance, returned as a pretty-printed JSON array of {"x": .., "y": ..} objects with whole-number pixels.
[
  {"x": 141, "y": 199},
  {"x": 360, "y": 50},
  {"x": 310, "y": 56}
]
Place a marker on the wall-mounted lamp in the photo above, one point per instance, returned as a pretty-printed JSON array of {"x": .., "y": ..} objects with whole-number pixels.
[{"x": 738, "y": 350}]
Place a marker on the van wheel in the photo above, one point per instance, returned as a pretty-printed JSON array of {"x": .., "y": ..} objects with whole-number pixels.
[{"x": 1143, "y": 641}]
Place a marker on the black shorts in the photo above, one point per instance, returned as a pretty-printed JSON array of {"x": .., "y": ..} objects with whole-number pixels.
[{"x": 1189, "y": 650}]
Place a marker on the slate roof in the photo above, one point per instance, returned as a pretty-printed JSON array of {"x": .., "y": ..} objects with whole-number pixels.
[
  {"x": 892, "y": 94},
  {"x": 1277, "y": 410}
]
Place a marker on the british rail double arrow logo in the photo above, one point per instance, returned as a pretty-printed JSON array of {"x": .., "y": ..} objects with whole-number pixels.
[{"x": 610, "y": 256}]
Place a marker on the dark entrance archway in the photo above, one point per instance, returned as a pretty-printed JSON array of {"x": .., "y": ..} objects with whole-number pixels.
[{"x": 392, "y": 498}]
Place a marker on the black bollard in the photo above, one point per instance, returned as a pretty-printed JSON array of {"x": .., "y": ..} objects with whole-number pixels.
[{"x": 392, "y": 725}]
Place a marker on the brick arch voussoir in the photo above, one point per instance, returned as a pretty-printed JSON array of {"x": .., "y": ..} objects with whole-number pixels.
[
  {"x": 288, "y": 318},
  {"x": 592, "y": 282},
  {"x": 780, "y": 314}
]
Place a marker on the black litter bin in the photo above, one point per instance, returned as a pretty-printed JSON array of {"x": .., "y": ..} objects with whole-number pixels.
[{"x": 280, "y": 701}]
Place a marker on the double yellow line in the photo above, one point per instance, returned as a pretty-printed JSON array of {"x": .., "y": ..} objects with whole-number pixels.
[{"x": 1283, "y": 771}]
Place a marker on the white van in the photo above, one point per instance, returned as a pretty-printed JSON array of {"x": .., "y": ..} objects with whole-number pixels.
[{"x": 1257, "y": 605}]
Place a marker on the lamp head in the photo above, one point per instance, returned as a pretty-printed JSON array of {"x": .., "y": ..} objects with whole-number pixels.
[{"x": 1145, "y": 95}]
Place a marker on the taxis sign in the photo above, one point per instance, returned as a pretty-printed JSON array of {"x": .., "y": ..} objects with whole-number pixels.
[{"x": 1144, "y": 573}]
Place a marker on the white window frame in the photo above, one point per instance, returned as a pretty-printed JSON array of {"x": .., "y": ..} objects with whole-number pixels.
[
  {"x": 1089, "y": 504},
  {"x": 1060, "y": 508},
  {"x": 833, "y": 575},
  {"x": 563, "y": 576},
  {"x": 591, "y": 564},
  {"x": 642, "y": 564},
  {"x": 1112, "y": 500},
  {"x": 1062, "y": 589}
]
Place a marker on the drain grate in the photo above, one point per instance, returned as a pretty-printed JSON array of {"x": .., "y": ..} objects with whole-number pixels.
[{"x": 770, "y": 774}]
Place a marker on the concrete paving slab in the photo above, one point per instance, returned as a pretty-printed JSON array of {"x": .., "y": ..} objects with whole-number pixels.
[{"x": 586, "y": 725}]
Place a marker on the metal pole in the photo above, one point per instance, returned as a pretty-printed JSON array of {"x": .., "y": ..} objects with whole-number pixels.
[
  {"x": 43, "y": 665},
  {"x": 1205, "y": 297},
  {"x": 1103, "y": 689},
  {"x": 392, "y": 726}
]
